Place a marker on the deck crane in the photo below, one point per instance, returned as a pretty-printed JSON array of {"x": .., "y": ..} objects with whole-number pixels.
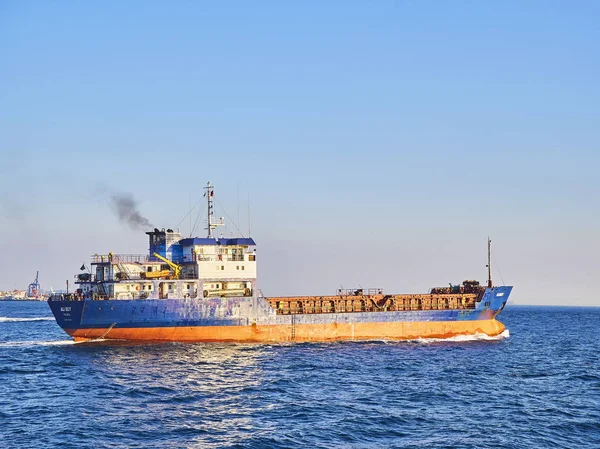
[{"x": 175, "y": 269}]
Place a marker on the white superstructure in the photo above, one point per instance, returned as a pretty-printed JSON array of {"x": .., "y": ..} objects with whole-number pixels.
[{"x": 175, "y": 267}]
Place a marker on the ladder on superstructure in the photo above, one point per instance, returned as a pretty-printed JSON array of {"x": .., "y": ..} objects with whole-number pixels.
[{"x": 125, "y": 273}]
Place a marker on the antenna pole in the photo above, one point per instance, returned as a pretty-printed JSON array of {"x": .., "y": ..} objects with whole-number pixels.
[
  {"x": 489, "y": 264},
  {"x": 209, "y": 194},
  {"x": 211, "y": 214},
  {"x": 249, "y": 231}
]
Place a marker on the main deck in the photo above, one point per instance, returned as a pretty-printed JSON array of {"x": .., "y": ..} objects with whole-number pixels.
[{"x": 376, "y": 302}]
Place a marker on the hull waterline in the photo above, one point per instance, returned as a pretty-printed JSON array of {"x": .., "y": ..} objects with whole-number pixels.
[{"x": 296, "y": 333}]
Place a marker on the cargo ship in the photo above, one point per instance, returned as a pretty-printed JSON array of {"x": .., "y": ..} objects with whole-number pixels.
[{"x": 204, "y": 289}]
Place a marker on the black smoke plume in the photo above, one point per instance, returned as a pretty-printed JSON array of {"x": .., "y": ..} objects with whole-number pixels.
[{"x": 126, "y": 208}]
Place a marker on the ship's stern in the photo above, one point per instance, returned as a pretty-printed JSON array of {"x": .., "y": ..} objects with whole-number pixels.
[{"x": 68, "y": 314}]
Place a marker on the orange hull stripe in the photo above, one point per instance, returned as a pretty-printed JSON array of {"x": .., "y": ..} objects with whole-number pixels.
[{"x": 298, "y": 332}]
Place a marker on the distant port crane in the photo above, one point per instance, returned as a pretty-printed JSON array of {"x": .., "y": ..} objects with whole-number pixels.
[{"x": 34, "y": 290}]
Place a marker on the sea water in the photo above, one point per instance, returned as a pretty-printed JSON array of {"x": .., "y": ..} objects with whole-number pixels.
[{"x": 536, "y": 385}]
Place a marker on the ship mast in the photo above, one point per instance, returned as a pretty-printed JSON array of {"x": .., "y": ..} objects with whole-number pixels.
[
  {"x": 211, "y": 224},
  {"x": 489, "y": 263}
]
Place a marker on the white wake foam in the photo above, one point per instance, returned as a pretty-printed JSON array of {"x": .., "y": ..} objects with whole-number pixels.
[
  {"x": 464, "y": 338},
  {"x": 7, "y": 319}
]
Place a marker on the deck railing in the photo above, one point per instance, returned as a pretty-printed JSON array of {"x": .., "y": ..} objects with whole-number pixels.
[
  {"x": 144, "y": 258},
  {"x": 130, "y": 277},
  {"x": 214, "y": 258},
  {"x": 101, "y": 297},
  {"x": 120, "y": 258}
]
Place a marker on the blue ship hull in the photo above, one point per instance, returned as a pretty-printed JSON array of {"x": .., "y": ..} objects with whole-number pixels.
[{"x": 253, "y": 319}]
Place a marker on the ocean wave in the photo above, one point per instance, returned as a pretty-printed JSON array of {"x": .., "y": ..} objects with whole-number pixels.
[
  {"x": 14, "y": 344},
  {"x": 459, "y": 338},
  {"x": 464, "y": 338},
  {"x": 8, "y": 319}
]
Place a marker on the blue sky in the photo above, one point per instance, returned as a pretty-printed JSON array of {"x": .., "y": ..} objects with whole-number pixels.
[{"x": 380, "y": 143}]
